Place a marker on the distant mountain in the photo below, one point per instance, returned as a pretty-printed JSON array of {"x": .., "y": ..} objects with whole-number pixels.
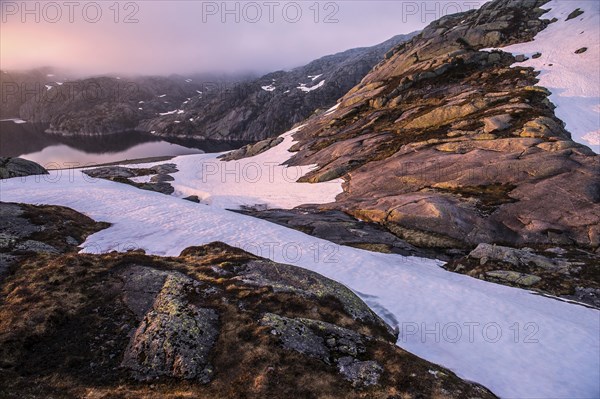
[
  {"x": 272, "y": 104},
  {"x": 104, "y": 105},
  {"x": 17, "y": 87},
  {"x": 201, "y": 106}
]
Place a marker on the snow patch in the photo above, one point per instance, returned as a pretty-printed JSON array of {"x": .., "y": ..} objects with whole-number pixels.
[
  {"x": 268, "y": 88},
  {"x": 573, "y": 79},
  {"x": 309, "y": 89},
  {"x": 141, "y": 179},
  {"x": 14, "y": 120}
]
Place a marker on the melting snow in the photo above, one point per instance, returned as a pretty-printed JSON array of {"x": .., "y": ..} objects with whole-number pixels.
[
  {"x": 268, "y": 88},
  {"x": 14, "y": 120},
  {"x": 188, "y": 80},
  {"x": 162, "y": 95},
  {"x": 168, "y": 113},
  {"x": 573, "y": 79},
  {"x": 48, "y": 87},
  {"x": 309, "y": 89},
  {"x": 314, "y": 77}
]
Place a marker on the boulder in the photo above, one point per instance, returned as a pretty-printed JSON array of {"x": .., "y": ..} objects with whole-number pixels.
[
  {"x": 18, "y": 167},
  {"x": 516, "y": 257},
  {"x": 285, "y": 278},
  {"x": 497, "y": 123},
  {"x": 176, "y": 337},
  {"x": 360, "y": 373}
]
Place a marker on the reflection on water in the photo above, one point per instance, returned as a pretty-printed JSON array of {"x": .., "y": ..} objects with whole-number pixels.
[{"x": 53, "y": 151}]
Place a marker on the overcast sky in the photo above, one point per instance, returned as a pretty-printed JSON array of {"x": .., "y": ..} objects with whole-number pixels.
[{"x": 163, "y": 37}]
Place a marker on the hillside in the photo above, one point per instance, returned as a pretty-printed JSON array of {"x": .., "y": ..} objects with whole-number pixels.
[
  {"x": 272, "y": 104},
  {"x": 450, "y": 146}
]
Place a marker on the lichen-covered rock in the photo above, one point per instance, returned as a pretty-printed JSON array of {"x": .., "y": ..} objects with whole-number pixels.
[
  {"x": 296, "y": 336},
  {"x": 514, "y": 256},
  {"x": 175, "y": 337},
  {"x": 514, "y": 277},
  {"x": 18, "y": 167},
  {"x": 360, "y": 373},
  {"x": 27, "y": 231},
  {"x": 35, "y": 246},
  {"x": 286, "y": 278},
  {"x": 329, "y": 343}
]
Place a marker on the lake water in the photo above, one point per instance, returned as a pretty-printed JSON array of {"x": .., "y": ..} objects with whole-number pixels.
[{"x": 55, "y": 152}]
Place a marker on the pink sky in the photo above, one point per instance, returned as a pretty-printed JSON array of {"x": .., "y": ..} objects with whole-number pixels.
[{"x": 160, "y": 37}]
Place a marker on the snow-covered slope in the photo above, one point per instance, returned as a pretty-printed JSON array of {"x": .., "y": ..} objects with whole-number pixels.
[
  {"x": 517, "y": 344},
  {"x": 260, "y": 180},
  {"x": 573, "y": 78}
]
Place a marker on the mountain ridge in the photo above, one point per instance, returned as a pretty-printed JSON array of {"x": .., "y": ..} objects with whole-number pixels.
[{"x": 448, "y": 146}]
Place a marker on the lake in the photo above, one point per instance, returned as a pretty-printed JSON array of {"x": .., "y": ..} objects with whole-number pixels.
[{"x": 52, "y": 151}]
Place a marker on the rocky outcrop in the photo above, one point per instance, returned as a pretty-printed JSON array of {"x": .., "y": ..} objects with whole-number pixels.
[
  {"x": 18, "y": 167},
  {"x": 342, "y": 229},
  {"x": 159, "y": 176},
  {"x": 308, "y": 284},
  {"x": 27, "y": 231},
  {"x": 570, "y": 273},
  {"x": 212, "y": 322},
  {"x": 449, "y": 146},
  {"x": 329, "y": 343},
  {"x": 175, "y": 337},
  {"x": 251, "y": 150},
  {"x": 272, "y": 104}
]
